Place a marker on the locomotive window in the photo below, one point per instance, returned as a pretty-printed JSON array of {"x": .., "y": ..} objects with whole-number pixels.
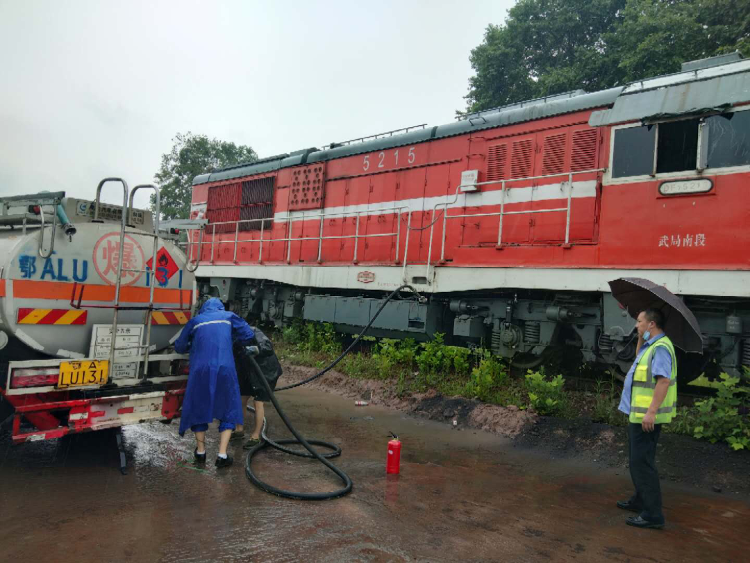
[
  {"x": 677, "y": 149},
  {"x": 728, "y": 139},
  {"x": 675, "y": 142},
  {"x": 633, "y": 151}
]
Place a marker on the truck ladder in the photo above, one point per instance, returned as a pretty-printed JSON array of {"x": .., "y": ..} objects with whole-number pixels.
[{"x": 145, "y": 348}]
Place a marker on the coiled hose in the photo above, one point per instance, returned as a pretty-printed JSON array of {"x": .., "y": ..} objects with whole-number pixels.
[{"x": 298, "y": 438}]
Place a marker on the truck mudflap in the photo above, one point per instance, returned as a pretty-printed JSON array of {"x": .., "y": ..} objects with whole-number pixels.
[{"x": 54, "y": 419}]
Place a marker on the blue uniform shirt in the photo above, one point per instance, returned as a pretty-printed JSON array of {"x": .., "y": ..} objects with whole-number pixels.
[{"x": 661, "y": 364}]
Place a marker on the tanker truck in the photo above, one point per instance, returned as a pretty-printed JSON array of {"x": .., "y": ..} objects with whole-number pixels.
[{"x": 92, "y": 296}]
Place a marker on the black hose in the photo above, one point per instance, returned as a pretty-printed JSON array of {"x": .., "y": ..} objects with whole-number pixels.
[
  {"x": 354, "y": 343},
  {"x": 299, "y": 439}
]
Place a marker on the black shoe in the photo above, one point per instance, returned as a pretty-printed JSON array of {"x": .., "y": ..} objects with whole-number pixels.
[
  {"x": 639, "y": 522},
  {"x": 628, "y": 505},
  {"x": 224, "y": 461},
  {"x": 199, "y": 458}
]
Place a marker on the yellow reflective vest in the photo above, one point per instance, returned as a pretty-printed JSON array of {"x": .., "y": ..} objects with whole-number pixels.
[{"x": 644, "y": 383}]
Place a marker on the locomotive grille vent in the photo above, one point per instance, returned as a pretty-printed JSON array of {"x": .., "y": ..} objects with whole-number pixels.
[
  {"x": 253, "y": 213},
  {"x": 228, "y": 218},
  {"x": 245, "y": 202},
  {"x": 554, "y": 154},
  {"x": 523, "y": 157},
  {"x": 224, "y": 197},
  {"x": 584, "y": 150},
  {"x": 497, "y": 158},
  {"x": 258, "y": 191}
]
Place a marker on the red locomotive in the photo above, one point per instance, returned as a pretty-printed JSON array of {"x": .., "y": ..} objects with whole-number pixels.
[{"x": 509, "y": 222}]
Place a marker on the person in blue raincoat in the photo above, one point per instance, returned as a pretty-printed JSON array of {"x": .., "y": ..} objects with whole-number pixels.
[{"x": 212, "y": 390}]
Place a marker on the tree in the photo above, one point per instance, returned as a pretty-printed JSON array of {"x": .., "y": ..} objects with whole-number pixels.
[
  {"x": 656, "y": 36},
  {"x": 545, "y": 47},
  {"x": 550, "y": 46},
  {"x": 190, "y": 156}
]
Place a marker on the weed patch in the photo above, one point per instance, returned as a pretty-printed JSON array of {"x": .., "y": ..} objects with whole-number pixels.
[{"x": 546, "y": 396}]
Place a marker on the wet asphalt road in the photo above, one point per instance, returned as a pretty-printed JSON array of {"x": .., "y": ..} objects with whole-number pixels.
[{"x": 461, "y": 496}]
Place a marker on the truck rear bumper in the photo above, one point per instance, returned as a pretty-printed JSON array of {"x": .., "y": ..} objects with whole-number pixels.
[{"x": 54, "y": 419}]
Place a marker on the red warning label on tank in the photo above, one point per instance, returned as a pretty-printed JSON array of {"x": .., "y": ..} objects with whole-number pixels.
[{"x": 107, "y": 255}]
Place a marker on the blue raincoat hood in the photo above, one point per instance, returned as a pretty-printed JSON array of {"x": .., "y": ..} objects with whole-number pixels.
[{"x": 213, "y": 304}]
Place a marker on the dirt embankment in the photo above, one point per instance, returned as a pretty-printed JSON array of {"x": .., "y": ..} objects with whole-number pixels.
[
  {"x": 680, "y": 458},
  {"x": 463, "y": 413}
]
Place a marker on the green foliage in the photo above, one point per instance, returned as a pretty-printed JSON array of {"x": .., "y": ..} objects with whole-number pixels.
[
  {"x": 190, "y": 156},
  {"x": 480, "y": 375},
  {"x": 684, "y": 422},
  {"x": 551, "y": 46},
  {"x": 436, "y": 357},
  {"x": 656, "y": 36},
  {"x": 361, "y": 365},
  {"x": 320, "y": 337},
  {"x": 725, "y": 416},
  {"x": 293, "y": 333},
  {"x": 487, "y": 378},
  {"x": 546, "y": 396},
  {"x": 390, "y": 353},
  {"x": 606, "y": 398}
]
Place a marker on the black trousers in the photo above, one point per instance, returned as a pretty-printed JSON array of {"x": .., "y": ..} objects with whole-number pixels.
[{"x": 642, "y": 454}]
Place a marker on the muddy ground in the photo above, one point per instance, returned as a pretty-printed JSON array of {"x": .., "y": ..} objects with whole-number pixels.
[
  {"x": 681, "y": 459},
  {"x": 462, "y": 494}
]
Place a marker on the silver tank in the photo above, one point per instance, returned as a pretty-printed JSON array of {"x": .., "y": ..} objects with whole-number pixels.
[{"x": 31, "y": 285}]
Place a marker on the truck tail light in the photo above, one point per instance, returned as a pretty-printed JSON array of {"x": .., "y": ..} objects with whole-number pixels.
[
  {"x": 182, "y": 368},
  {"x": 34, "y": 377}
]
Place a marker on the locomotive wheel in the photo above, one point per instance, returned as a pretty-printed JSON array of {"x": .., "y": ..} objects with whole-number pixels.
[{"x": 526, "y": 360}]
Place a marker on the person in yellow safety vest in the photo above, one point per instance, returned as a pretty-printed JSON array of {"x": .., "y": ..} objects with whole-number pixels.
[{"x": 649, "y": 398}]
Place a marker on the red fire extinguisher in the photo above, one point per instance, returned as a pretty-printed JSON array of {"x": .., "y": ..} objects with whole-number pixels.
[{"x": 393, "y": 461}]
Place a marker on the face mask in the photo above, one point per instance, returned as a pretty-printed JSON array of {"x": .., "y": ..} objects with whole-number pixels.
[{"x": 646, "y": 335}]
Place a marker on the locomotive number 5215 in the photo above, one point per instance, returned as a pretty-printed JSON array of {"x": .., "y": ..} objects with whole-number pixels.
[{"x": 409, "y": 157}]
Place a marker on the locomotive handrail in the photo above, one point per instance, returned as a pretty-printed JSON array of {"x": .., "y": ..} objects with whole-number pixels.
[
  {"x": 289, "y": 220},
  {"x": 190, "y": 251},
  {"x": 502, "y": 211},
  {"x": 376, "y": 136}
]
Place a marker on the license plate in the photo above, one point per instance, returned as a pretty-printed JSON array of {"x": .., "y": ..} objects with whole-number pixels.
[{"x": 81, "y": 374}]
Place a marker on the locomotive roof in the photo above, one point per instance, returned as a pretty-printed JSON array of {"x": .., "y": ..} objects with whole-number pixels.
[
  {"x": 705, "y": 85},
  {"x": 700, "y": 88}
]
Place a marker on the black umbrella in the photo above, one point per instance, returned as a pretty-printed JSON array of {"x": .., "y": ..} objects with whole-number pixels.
[{"x": 638, "y": 294}]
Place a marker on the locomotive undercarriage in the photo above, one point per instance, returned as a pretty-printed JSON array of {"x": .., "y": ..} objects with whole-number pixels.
[{"x": 523, "y": 325}]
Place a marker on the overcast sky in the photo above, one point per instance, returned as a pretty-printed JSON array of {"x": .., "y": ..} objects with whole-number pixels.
[{"x": 97, "y": 88}]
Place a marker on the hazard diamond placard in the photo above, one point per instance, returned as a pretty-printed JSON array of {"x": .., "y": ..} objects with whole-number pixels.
[{"x": 166, "y": 267}]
